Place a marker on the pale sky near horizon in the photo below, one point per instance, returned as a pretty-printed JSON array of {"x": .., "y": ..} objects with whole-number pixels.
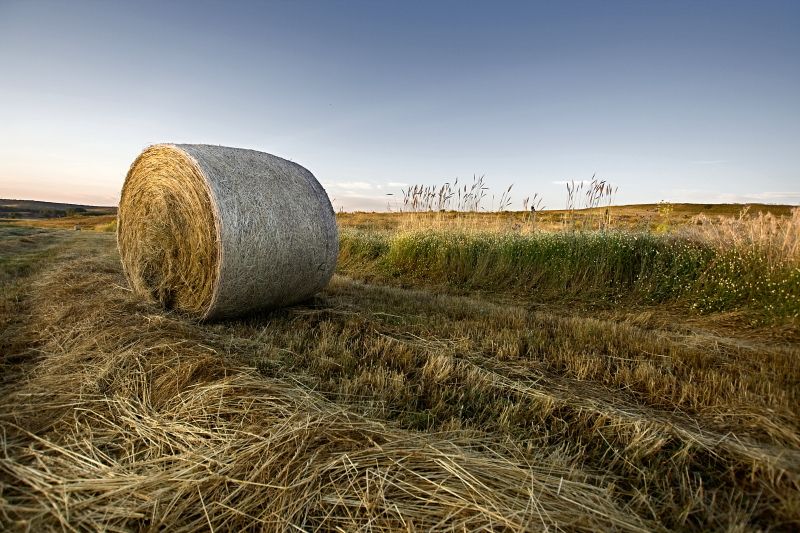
[{"x": 677, "y": 101}]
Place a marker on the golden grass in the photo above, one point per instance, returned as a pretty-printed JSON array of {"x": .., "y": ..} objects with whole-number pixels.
[
  {"x": 640, "y": 217},
  {"x": 777, "y": 238},
  {"x": 85, "y": 222}
]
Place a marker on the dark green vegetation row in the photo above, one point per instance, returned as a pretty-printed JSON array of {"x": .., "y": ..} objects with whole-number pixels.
[{"x": 610, "y": 266}]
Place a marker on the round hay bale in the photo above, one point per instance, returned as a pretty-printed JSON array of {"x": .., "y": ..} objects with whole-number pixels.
[{"x": 218, "y": 232}]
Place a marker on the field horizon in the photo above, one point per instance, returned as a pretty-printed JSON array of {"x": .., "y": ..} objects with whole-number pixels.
[
  {"x": 26, "y": 212},
  {"x": 715, "y": 207}
]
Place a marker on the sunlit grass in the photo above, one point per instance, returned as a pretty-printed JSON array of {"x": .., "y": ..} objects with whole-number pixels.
[{"x": 705, "y": 273}]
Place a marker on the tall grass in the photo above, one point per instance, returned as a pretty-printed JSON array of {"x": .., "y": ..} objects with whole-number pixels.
[
  {"x": 775, "y": 238},
  {"x": 707, "y": 272}
]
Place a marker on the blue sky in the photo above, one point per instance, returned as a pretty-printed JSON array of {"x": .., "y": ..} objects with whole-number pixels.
[{"x": 680, "y": 101}]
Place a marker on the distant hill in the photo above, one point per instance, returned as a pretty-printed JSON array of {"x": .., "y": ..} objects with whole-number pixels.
[{"x": 36, "y": 209}]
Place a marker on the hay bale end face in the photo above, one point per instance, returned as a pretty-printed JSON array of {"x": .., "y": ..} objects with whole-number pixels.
[{"x": 219, "y": 232}]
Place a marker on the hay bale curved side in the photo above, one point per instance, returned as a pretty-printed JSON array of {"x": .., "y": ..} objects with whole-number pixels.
[{"x": 217, "y": 231}]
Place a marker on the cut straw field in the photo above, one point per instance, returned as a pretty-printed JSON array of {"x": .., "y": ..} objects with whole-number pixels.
[{"x": 459, "y": 373}]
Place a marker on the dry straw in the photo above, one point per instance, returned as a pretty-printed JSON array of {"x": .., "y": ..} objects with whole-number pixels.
[
  {"x": 216, "y": 231},
  {"x": 147, "y": 427}
]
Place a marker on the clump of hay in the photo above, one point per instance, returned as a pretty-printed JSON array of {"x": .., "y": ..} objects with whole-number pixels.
[{"x": 216, "y": 231}]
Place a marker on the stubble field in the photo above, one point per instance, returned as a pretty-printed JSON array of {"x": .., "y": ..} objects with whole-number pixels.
[{"x": 459, "y": 373}]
